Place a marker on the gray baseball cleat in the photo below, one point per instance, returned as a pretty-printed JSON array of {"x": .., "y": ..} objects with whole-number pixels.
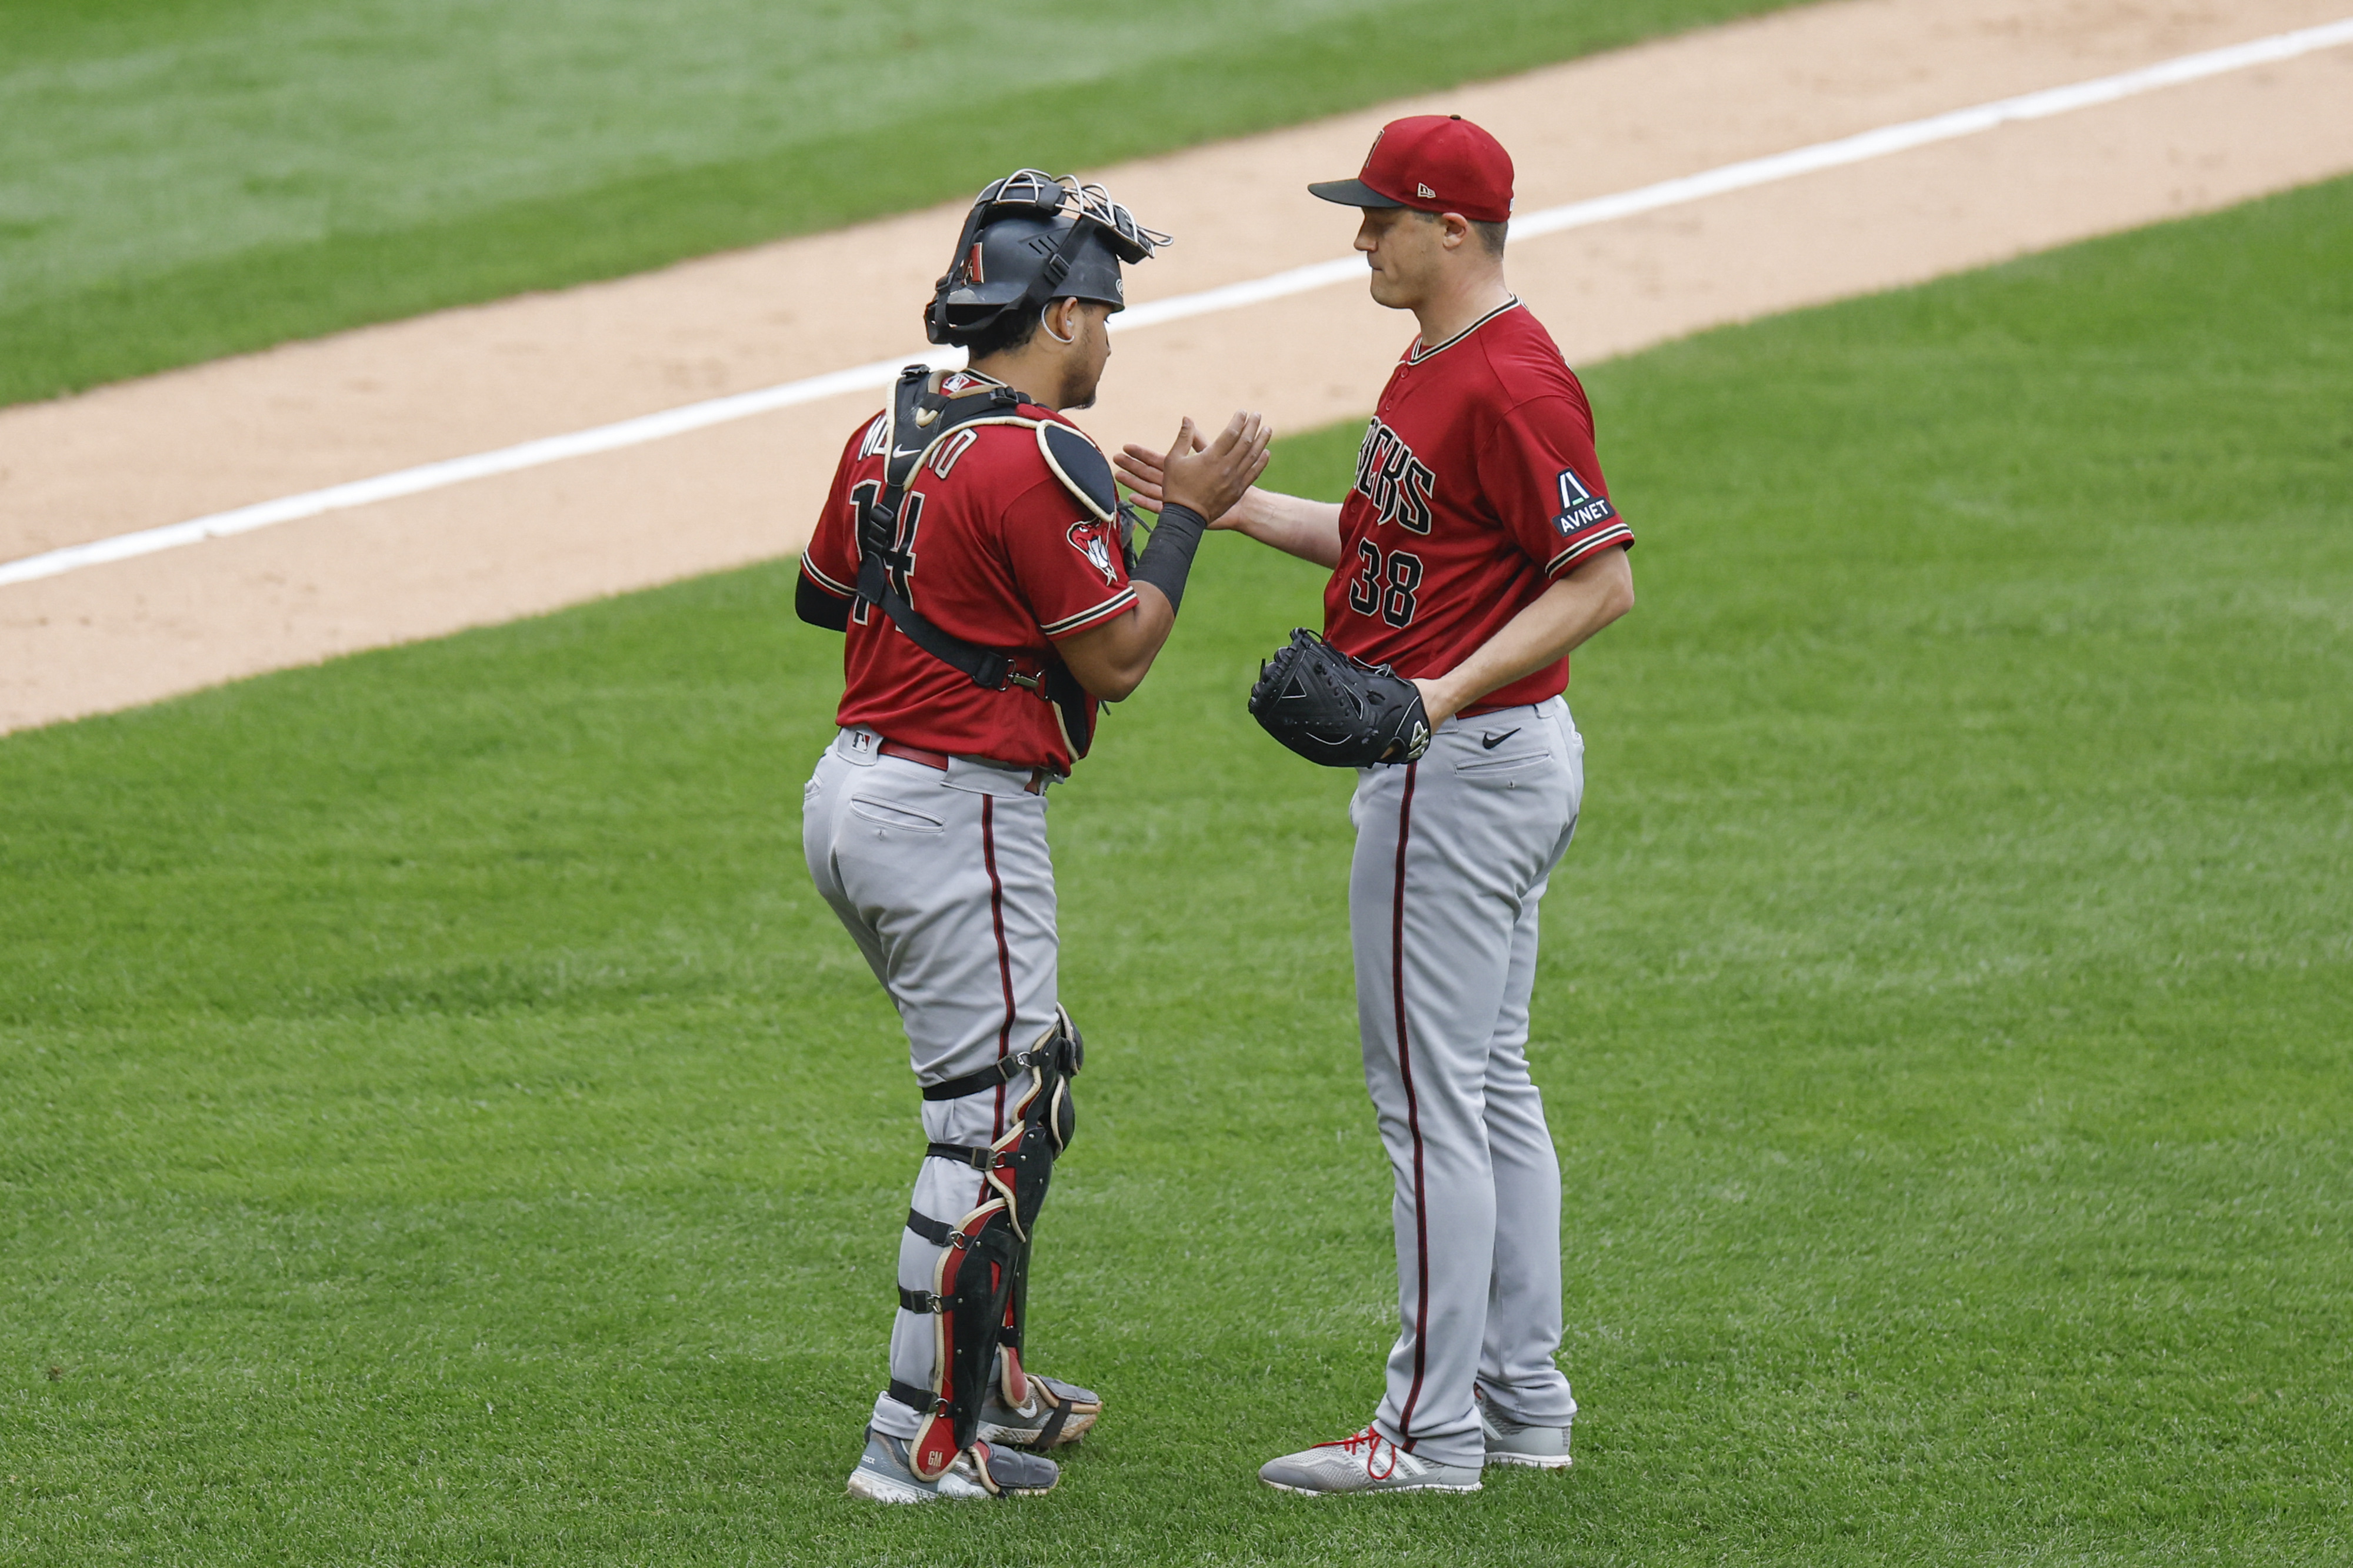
[
  {"x": 1055, "y": 1413},
  {"x": 1511, "y": 1442},
  {"x": 883, "y": 1474},
  {"x": 1365, "y": 1462}
]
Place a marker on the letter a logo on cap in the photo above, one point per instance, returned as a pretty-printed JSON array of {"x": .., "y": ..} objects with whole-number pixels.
[{"x": 1457, "y": 167}]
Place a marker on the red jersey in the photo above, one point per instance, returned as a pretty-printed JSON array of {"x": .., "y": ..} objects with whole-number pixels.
[
  {"x": 1476, "y": 486},
  {"x": 1005, "y": 557}
]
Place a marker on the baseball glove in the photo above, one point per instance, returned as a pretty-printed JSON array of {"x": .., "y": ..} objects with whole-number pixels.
[{"x": 1338, "y": 711}]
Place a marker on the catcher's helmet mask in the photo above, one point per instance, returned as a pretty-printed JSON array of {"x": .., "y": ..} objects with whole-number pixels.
[{"x": 1031, "y": 239}]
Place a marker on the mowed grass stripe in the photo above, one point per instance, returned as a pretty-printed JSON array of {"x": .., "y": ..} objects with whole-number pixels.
[
  {"x": 190, "y": 181},
  {"x": 1747, "y": 173},
  {"x": 441, "y": 1124}
]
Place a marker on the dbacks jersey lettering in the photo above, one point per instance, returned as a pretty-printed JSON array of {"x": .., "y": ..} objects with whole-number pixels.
[
  {"x": 1397, "y": 482},
  {"x": 1477, "y": 486},
  {"x": 999, "y": 554}
]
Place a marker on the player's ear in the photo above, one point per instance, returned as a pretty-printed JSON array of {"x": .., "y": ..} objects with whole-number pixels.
[
  {"x": 1457, "y": 227},
  {"x": 1055, "y": 318}
]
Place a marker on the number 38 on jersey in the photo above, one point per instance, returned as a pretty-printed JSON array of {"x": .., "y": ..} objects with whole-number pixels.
[{"x": 1400, "y": 486}]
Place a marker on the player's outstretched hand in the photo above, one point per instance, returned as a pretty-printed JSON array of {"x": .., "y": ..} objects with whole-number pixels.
[
  {"x": 1208, "y": 476},
  {"x": 1141, "y": 471}
]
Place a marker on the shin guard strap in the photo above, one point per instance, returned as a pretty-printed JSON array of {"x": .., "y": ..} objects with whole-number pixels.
[
  {"x": 1005, "y": 1070},
  {"x": 938, "y": 1232},
  {"x": 922, "y": 1399}
]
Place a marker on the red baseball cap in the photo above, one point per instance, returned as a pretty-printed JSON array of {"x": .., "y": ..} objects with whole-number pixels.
[{"x": 1434, "y": 163}]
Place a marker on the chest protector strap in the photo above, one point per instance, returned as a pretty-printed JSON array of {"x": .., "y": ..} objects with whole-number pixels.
[{"x": 920, "y": 416}]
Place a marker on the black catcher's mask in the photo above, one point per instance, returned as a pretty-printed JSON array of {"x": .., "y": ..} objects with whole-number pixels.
[{"x": 1031, "y": 238}]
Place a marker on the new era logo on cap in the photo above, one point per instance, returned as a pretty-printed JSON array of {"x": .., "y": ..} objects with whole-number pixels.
[{"x": 1437, "y": 162}]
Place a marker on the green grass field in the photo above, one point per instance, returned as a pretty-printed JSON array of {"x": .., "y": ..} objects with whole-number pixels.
[
  {"x": 191, "y": 178},
  {"x": 441, "y": 1125}
]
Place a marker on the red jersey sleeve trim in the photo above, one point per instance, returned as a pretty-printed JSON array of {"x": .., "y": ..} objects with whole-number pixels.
[
  {"x": 1602, "y": 538},
  {"x": 1068, "y": 625},
  {"x": 809, "y": 570}
]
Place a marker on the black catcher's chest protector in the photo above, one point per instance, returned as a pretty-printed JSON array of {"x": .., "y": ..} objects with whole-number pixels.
[{"x": 927, "y": 406}]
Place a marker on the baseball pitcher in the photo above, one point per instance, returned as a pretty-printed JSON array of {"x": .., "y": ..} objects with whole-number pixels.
[
  {"x": 1477, "y": 547},
  {"x": 974, "y": 554}
]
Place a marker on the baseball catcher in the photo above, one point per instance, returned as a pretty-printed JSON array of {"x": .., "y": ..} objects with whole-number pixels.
[{"x": 991, "y": 594}]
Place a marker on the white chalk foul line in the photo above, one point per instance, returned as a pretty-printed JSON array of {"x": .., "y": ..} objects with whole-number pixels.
[{"x": 1877, "y": 143}]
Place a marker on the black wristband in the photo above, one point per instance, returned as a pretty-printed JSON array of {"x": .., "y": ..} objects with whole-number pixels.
[
  {"x": 820, "y": 608},
  {"x": 1168, "y": 554}
]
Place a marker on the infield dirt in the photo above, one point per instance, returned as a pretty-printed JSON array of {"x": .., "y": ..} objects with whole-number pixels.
[{"x": 177, "y": 446}]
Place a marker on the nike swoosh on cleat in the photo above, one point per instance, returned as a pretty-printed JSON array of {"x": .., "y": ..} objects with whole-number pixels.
[{"x": 1491, "y": 741}]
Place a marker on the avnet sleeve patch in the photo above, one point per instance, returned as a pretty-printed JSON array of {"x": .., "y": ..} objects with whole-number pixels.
[{"x": 1580, "y": 508}]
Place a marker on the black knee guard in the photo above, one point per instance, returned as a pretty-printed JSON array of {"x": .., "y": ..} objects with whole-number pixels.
[{"x": 1019, "y": 1165}]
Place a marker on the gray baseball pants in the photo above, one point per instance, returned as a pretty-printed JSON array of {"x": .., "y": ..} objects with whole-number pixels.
[
  {"x": 1453, "y": 853},
  {"x": 943, "y": 882}
]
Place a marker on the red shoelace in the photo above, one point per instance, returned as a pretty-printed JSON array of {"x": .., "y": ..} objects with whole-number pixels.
[{"x": 1371, "y": 1439}]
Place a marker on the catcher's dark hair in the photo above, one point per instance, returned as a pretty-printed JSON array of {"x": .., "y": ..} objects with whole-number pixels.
[{"x": 1010, "y": 331}]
